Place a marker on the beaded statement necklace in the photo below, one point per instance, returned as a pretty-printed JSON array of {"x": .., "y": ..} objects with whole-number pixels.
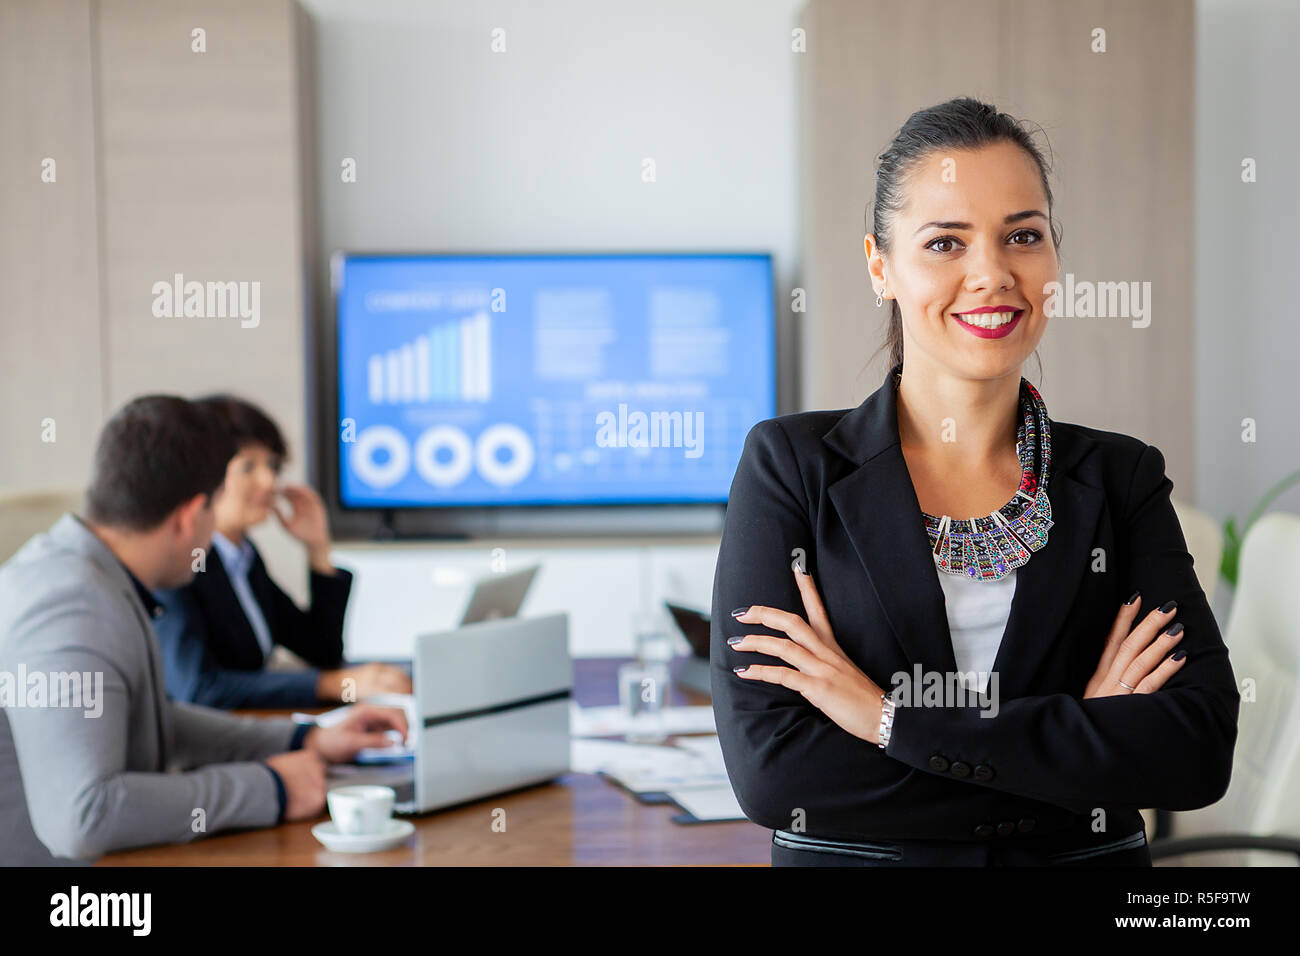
[{"x": 987, "y": 549}]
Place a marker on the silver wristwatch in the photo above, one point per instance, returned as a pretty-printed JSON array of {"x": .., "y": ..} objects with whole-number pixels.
[{"x": 886, "y": 721}]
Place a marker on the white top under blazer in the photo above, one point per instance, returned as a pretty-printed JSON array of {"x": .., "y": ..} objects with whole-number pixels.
[{"x": 977, "y": 617}]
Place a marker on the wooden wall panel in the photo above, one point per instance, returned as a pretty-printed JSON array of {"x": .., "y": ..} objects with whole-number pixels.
[
  {"x": 202, "y": 177},
  {"x": 49, "y": 250}
]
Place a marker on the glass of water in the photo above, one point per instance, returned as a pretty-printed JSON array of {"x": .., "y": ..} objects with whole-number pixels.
[
  {"x": 642, "y": 693},
  {"x": 644, "y": 687}
]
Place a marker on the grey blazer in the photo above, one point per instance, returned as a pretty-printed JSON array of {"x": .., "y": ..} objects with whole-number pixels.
[{"x": 145, "y": 769}]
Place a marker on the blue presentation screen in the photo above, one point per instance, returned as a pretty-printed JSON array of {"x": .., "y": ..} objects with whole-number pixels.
[{"x": 549, "y": 379}]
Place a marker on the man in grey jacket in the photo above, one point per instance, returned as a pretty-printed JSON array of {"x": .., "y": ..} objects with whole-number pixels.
[{"x": 94, "y": 756}]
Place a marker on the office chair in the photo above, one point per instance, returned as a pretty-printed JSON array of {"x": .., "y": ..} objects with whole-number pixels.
[
  {"x": 24, "y": 513},
  {"x": 1204, "y": 543},
  {"x": 1258, "y": 819}
]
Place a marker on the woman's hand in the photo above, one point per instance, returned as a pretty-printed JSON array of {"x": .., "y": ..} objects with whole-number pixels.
[
  {"x": 1137, "y": 659},
  {"x": 308, "y": 523},
  {"x": 821, "y": 672}
]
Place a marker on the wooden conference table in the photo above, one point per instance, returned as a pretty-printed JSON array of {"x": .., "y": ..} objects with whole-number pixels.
[{"x": 579, "y": 819}]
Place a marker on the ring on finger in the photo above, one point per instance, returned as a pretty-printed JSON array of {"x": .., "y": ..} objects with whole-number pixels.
[{"x": 1122, "y": 684}]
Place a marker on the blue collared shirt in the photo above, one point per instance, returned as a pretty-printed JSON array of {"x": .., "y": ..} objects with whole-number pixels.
[{"x": 238, "y": 559}]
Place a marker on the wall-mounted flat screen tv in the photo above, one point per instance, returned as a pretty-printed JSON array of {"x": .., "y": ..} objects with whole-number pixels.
[{"x": 548, "y": 379}]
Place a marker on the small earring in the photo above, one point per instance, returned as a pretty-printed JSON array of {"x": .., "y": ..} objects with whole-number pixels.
[{"x": 880, "y": 298}]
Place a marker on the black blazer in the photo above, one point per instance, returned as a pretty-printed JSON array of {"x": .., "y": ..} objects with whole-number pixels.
[
  {"x": 834, "y": 485},
  {"x": 212, "y": 656}
]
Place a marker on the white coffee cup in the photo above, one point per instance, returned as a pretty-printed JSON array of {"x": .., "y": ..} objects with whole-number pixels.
[{"x": 361, "y": 810}]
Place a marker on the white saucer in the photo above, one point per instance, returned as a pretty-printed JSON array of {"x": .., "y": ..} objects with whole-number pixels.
[{"x": 390, "y": 836}]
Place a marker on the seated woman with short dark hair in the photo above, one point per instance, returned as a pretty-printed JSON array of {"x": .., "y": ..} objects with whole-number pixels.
[{"x": 218, "y": 632}]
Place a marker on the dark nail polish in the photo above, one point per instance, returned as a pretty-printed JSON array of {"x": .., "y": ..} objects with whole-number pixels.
[
  {"x": 1136, "y": 595},
  {"x": 1174, "y": 628},
  {"x": 739, "y": 611},
  {"x": 1179, "y": 656},
  {"x": 739, "y": 669},
  {"x": 734, "y": 640},
  {"x": 1168, "y": 606}
]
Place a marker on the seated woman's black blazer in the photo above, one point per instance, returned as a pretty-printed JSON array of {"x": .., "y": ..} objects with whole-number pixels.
[
  {"x": 212, "y": 656},
  {"x": 832, "y": 488}
]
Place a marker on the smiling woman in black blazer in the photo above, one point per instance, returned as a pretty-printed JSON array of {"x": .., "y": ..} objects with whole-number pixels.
[{"x": 949, "y": 544}]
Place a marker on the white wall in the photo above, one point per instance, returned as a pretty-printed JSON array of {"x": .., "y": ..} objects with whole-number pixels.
[
  {"x": 540, "y": 148},
  {"x": 1247, "y": 317}
]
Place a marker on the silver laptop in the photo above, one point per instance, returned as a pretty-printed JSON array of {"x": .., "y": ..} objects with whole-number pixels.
[
  {"x": 494, "y": 597},
  {"x": 492, "y": 706},
  {"x": 498, "y": 595}
]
